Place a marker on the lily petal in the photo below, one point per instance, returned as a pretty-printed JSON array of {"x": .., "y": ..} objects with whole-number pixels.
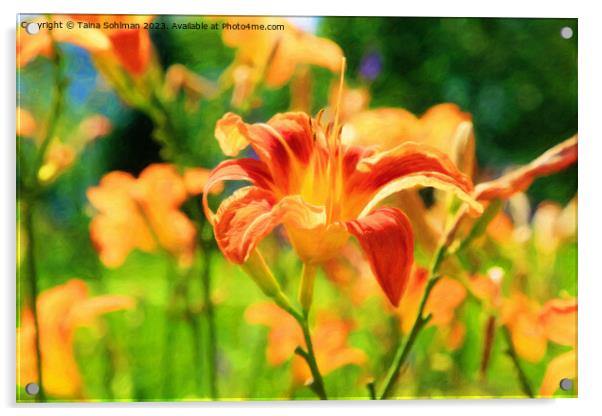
[
  {"x": 563, "y": 366},
  {"x": 251, "y": 213},
  {"x": 406, "y": 166},
  {"x": 554, "y": 160},
  {"x": 231, "y": 134},
  {"x": 285, "y": 144},
  {"x": 297, "y": 48},
  {"x": 387, "y": 240},
  {"x": 250, "y": 170},
  {"x": 559, "y": 319},
  {"x": 242, "y": 221}
]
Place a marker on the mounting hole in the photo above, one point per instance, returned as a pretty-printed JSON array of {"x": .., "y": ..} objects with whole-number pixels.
[
  {"x": 32, "y": 28},
  {"x": 566, "y": 32},
  {"x": 32, "y": 389},
  {"x": 566, "y": 384}
]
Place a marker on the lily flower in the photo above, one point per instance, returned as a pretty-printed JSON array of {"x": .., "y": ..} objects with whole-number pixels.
[
  {"x": 143, "y": 213},
  {"x": 330, "y": 340},
  {"x": 532, "y": 325},
  {"x": 61, "y": 311},
  {"x": 323, "y": 191},
  {"x": 272, "y": 56}
]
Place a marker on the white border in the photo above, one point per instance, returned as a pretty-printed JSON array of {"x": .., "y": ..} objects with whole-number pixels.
[{"x": 590, "y": 209}]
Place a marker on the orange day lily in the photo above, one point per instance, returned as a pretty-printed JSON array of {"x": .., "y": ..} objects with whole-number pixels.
[
  {"x": 532, "y": 325},
  {"x": 322, "y": 192},
  {"x": 61, "y": 310},
  {"x": 272, "y": 56},
  {"x": 330, "y": 340},
  {"x": 144, "y": 213}
]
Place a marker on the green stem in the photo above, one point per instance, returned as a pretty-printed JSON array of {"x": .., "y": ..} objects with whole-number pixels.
[
  {"x": 193, "y": 322},
  {"x": 30, "y": 200},
  {"x": 260, "y": 272},
  {"x": 208, "y": 306},
  {"x": 404, "y": 350},
  {"x": 306, "y": 288},
  {"x": 211, "y": 326},
  {"x": 168, "y": 333},
  {"x": 33, "y": 287},
  {"x": 317, "y": 384},
  {"x": 55, "y": 113},
  {"x": 371, "y": 390},
  {"x": 524, "y": 381}
]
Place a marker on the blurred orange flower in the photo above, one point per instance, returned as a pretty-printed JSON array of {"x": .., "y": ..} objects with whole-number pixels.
[
  {"x": 562, "y": 366},
  {"x": 553, "y": 225},
  {"x": 61, "y": 311},
  {"x": 323, "y": 191},
  {"x": 352, "y": 274},
  {"x": 446, "y": 296},
  {"x": 144, "y": 213},
  {"x": 330, "y": 340},
  {"x": 271, "y": 56},
  {"x": 532, "y": 325}
]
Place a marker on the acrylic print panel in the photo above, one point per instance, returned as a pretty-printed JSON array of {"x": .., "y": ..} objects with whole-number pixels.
[{"x": 264, "y": 208}]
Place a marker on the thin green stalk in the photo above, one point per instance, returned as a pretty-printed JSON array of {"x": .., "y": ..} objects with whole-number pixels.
[
  {"x": 403, "y": 352},
  {"x": 308, "y": 277},
  {"x": 193, "y": 322},
  {"x": 30, "y": 201},
  {"x": 524, "y": 381},
  {"x": 211, "y": 326},
  {"x": 309, "y": 355},
  {"x": 168, "y": 333},
  {"x": 371, "y": 390},
  {"x": 208, "y": 307},
  {"x": 58, "y": 101},
  {"x": 404, "y": 349},
  {"x": 33, "y": 287}
]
